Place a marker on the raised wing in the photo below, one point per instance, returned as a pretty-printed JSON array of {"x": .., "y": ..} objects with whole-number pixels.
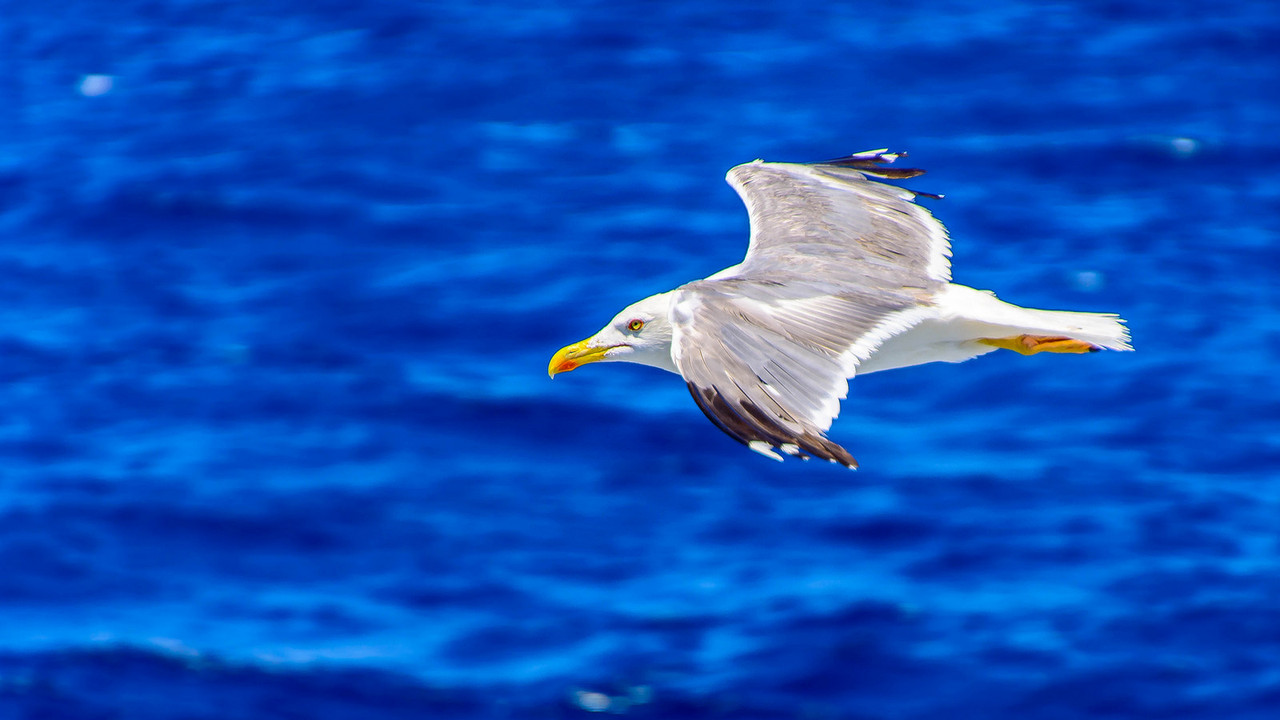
[{"x": 829, "y": 218}]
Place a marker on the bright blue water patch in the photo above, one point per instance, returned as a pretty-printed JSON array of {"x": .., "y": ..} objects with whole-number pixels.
[{"x": 278, "y": 286}]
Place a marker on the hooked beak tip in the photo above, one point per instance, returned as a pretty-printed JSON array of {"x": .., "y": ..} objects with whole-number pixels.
[{"x": 574, "y": 356}]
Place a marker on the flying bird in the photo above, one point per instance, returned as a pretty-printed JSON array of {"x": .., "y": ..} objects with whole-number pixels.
[{"x": 843, "y": 275}]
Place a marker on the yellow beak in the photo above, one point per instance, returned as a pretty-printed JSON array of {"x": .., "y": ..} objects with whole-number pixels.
[{"x": 574, "y": 356}]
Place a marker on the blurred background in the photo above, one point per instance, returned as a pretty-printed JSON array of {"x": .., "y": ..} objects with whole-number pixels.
[{"x": 279, "y": 282}]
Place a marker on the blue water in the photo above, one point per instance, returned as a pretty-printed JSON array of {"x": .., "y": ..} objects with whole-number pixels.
[{"x": 279, "y": 282}]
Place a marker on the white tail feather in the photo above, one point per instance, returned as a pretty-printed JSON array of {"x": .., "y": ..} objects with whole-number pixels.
[
  {"x": 965, "y": 316},
  {"x": 1102, "y": 329},
  {"x": 1005, "y": 320}
]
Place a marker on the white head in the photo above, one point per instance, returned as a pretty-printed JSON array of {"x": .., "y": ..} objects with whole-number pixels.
[{"x": 640, "y": 334}]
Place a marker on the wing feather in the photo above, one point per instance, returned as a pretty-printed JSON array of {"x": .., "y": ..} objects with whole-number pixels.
[
  {"x": 837, "y": 263},
  {"x": 831, "y": 219}
]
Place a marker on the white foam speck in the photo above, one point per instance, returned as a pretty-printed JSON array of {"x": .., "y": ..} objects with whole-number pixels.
[
  {"x": 1088, "y": 280},
  {"x": 592, "y": 701},
  {"x": 95, "y": 85},
  {"x": 1184, "y": 147}
]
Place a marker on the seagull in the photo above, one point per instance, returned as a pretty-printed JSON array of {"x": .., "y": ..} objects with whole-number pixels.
[{"x": 843, "y": 275}]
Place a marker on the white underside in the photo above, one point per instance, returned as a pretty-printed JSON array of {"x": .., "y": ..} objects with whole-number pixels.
[{"x": 963, "y": 316}]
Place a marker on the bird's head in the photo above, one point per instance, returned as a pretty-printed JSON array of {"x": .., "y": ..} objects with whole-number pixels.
[{"x": 640, "y": 334}]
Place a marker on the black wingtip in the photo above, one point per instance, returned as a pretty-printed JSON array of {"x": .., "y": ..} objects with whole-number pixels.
[
  {"x": 749, "y": 425},
  {"x": 873, "y": 162}
]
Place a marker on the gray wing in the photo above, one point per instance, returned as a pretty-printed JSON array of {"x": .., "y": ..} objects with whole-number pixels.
[
  {"x": 829, "y": 218},
  {"x": 837, "y": 264}
]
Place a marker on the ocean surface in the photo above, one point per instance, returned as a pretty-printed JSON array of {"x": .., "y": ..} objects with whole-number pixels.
[{"x": 279, "y": 282}]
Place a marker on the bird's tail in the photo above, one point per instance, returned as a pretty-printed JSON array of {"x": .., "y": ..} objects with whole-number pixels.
[
  {"x": 996, "y": 318},
  {"x": 1105, "y": 330}
]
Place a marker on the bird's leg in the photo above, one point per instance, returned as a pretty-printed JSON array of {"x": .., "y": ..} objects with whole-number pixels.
[{"x": 1032, "y": 344}]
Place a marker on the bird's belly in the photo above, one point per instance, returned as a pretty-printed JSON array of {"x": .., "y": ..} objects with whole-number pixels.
[{"x": 932, "y": 340}]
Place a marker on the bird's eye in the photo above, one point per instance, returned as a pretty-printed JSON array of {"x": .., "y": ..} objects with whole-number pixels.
[{"x": 635, "y": 325}]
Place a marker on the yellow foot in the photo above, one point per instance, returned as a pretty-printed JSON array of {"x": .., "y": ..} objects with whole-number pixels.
[{"x": 1032, "y": 344}]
